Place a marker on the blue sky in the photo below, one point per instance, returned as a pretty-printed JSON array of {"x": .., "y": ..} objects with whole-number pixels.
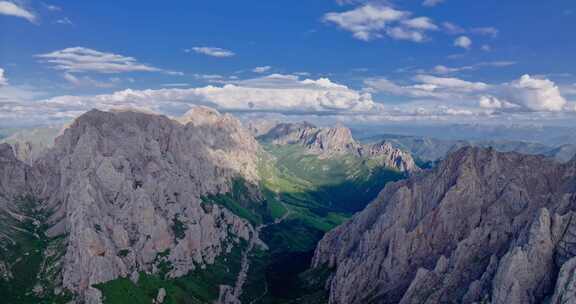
[{"x": 369, "y": 61}]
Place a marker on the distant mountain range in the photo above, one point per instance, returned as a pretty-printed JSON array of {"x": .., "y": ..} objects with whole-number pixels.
[
  {"x": 434, "y": 149},
  {"x": 546, "y": 135}
]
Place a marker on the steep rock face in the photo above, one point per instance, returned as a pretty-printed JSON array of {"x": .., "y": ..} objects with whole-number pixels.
[
  {"x": 328, "y": 142},
  {"x": 14, "y": 175},
  {"x": 126, "y": 190},
  {"x": 482, "y": 226}
]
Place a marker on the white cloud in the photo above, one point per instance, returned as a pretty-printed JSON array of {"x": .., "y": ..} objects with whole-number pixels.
[
  {"x": 527, "y": 94},
  {"x": 491, "y": 102},
  {"x": 11, "y": 9},
  {"x": 274, "y": 93},
  {"x": 421, "y": 23},
  {"x": 402, "y": 33},
  {"x": 52, "y": 8},
  {"x": 373, "y": 21},
  {"x": 432, "y": 2},
  {"x": 454, "y": 29},
  {"x": 451, "y": 83},
  {"x": 427, "y": 86},
  {"x": 80, "y": 59},
  {"x": 209, "y": 77},
  {"x": 211, "y": 51},
  {"x": 463, "y": 42},
  {"x": 443, "y": 70},
  {"x": 262, "y": 69},
  {"x": 534, "y": 94},
  {"x": 3, "y": 80}
]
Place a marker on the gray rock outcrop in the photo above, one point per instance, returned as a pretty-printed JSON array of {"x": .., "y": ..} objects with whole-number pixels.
[{"x": 482, "y": 227}]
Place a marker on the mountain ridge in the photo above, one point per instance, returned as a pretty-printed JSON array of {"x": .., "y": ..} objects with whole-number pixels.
[
  {"x": 464, "y": 232},
  {"x": 337, "y": 141}
]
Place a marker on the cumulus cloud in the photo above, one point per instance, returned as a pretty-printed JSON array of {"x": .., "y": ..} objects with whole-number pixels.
[
  {"x": 81, "y": 59},
  {"x": 463, "y": 42},
  {"x": 262, "y": 69},
  {"x": 211, "y": 51},
  {"x": 527, "y": 94},
  {"x": 275, "y": 93},
  {"x": 12, "y": 9},
  {"x": 3, "y": 80},
  {"x": 491, "y": 102},
  {"x": 372, "y": 21},
  {"x": 534, "y": 94}
]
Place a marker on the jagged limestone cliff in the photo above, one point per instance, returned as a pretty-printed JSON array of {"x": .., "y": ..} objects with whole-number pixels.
[
  {"x": 123, "y": 191},
  {"x": 483, "y": 227}
]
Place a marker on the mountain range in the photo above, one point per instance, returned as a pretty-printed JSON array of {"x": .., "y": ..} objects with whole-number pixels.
[
  {"x": 126, "y": 206},
  {"x": 141, "y": 207}
]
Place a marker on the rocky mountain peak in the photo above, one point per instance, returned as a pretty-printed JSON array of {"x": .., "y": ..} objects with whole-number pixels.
[
  {"x": 200, "y": 115},
  {"x": 336, "y": 140},
  {"x": 124, "y": 190}
]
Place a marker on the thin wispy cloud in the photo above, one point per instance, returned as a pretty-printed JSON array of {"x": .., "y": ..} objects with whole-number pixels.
[
  {"x": 431, "y": 3},
  {"x": 82, "y": 60},
  {"x": 211, "y": 51},
  {"x": 86, "y": 81},
  {"x": 52, "y": 7},
  {"x": 442, "y": 69},
  {"x": 262, "y": 69},
  {"x": 487, "y": 31},
  {"x": 12, "y": 9},
  {"x": 64, "y": 21}
]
